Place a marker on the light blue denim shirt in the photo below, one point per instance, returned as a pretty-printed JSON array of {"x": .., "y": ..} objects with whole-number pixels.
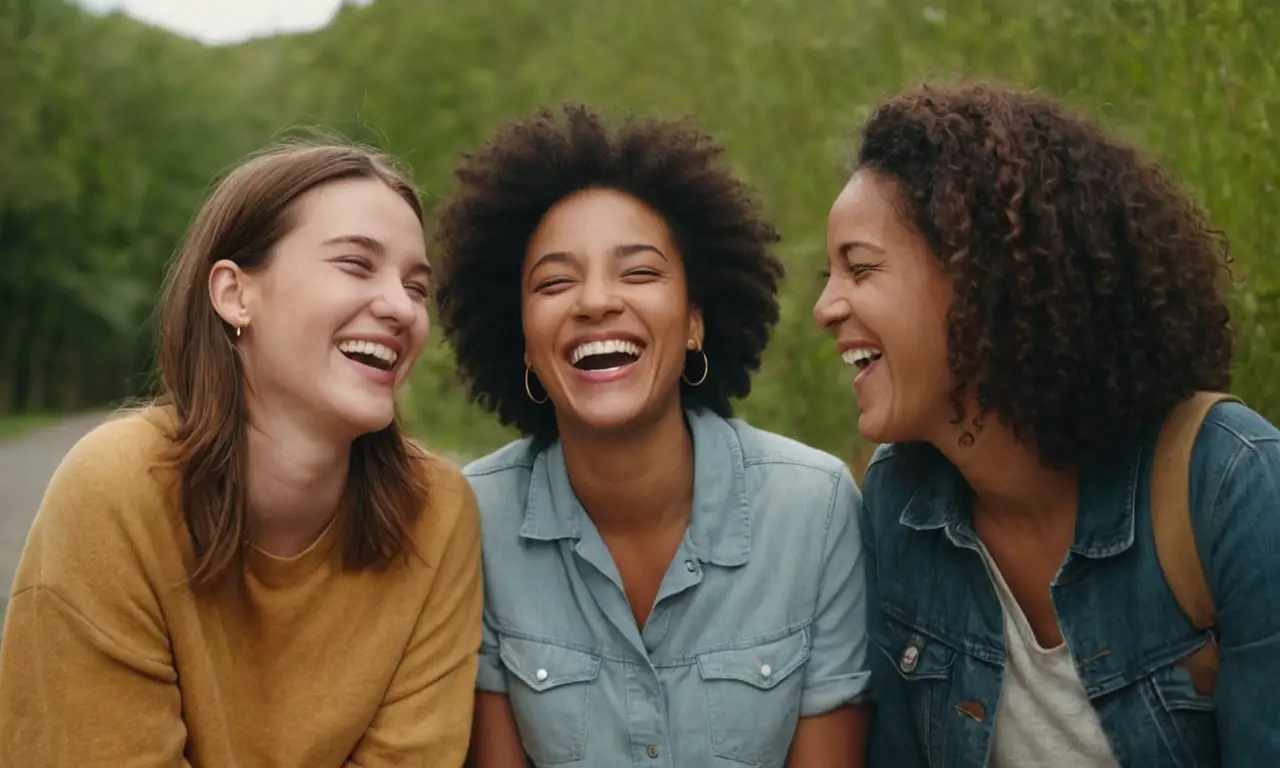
[
  {"x": 760, "y": 618},
  {"x": 938, "y": 636}
]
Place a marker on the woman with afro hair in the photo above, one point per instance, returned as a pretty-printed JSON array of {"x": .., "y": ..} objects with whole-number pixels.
[
  {"x": 1025, "y": 300},
  {"x": 664, "y": 584}
]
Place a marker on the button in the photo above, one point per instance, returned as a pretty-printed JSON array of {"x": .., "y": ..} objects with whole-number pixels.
[
  {"x": 910, "y": 657},
  {"x": 653, "y": 751},
  {"x": 766, "y": 670},
  {"x": 692, "y": 566},
  {"x": 540, "y": 675}
]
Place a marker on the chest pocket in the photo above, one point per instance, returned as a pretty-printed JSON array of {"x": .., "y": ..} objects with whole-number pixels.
[
  {"x": 550, "y": 697},
  {"x": 924, "y": 664},
  {"x": 753, "y": 698}
]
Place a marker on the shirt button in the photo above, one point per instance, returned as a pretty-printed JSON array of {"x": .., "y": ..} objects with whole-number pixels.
[
  {"x": 540, "y": 675},
  {"x": 653, "y": 751},
  {"x": 766, "y": 670},
  {"x": 691, "y": 565}
]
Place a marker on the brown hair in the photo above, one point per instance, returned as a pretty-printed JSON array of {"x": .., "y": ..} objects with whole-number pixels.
[
  {"x": 201, "y": 374},
  {"x": 1088, "y": 285}
]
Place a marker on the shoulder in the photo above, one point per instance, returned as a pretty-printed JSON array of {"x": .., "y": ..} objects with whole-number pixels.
[
  {"x": 119, "y": 464},
  {"x": 110, "y": 501},
  {"x": 1235, "y": 461},
  {"x": 500, "y": 479},
  {"x": 772, "y": 453},
  {"x": 795, "y": 480}
]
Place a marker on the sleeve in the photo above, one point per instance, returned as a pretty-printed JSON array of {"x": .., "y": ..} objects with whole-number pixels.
[
  {"x": 836, "y": 674},
  {"x": 86, "y": 672},
  {"x": 1241, "y": 548},
  {"x": 492, "y": 676},
  {"x": 428, "y": 707}
]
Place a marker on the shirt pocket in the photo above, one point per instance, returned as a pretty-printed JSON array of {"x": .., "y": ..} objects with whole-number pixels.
[
  {"x": 753, "y": 698},
  {"x": 913, "y": 674},
  {"x": 1185, "y": 717},
  {"x": 552, "y": 697}
]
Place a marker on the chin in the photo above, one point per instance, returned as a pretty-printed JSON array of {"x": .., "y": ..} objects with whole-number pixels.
[
  {"x": 363, "y": 418},
  {"x": 608, "y": 417}
]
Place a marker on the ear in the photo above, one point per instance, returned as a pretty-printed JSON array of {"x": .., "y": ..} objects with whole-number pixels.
[
  {"x": 696, "y": 329},
  {"x": 228, "y": 285}
]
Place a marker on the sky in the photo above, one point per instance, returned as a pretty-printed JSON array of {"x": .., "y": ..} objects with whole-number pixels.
[{"x": 227, "y": 21}]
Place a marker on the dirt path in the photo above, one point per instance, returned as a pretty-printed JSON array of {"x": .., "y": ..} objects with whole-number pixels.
[{"x": 26, "y": 464}]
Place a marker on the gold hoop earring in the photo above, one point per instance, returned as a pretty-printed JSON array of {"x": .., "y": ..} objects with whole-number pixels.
[
  {"x": 529, "y": 390},
  {"x": 706, "y": 368}
]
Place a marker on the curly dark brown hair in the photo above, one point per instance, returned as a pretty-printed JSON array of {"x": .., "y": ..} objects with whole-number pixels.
[
  {"x": 1088, "y": 298},
  {"x": 506, "y": 188}
]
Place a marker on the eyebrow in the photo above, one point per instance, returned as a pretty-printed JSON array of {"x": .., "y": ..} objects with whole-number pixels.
[
  {"x": 852, "y": 245},
  {"x": 374, "y": 245},
  {"x": 619, "y": 252}
]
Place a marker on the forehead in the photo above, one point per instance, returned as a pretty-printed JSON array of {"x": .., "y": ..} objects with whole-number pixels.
[
  {"x": 359, "y": 207},
  {"x": 597, "y": 218},
  {"x": 865, "y": 208}
]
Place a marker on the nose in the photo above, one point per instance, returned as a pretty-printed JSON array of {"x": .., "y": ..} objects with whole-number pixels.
[
  {"x": 394, "y": 304},
  {"x": 831, "y": 308},
  {"x": 598, "y": 299}
]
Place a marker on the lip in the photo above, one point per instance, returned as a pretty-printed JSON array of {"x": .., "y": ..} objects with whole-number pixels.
[
  {"x": 844, "y": 345},
  {"x": 601, "y": 336}
]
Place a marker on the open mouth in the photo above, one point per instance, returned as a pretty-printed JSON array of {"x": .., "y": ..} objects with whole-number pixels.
[
  {"x": 606, "y": 355},
  {"x": 370, "y": 353},
  {"x": 861, "y": 358}
]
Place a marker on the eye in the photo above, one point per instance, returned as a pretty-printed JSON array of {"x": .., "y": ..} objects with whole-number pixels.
[
  {"x": 641, "y": 275},
  {"x": 361, "y": 263},
  {"x": 551, "y": 285},
  {"x": 420, "y": 290},
  {"x": 859, "y": 270}
]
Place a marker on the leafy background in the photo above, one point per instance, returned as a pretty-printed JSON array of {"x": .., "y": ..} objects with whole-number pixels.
[{"x": 112, "y": 131}]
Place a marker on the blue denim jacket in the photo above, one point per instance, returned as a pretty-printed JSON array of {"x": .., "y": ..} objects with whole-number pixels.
[
  {"x": 759, "y": 619},
  {"x": 936, "y": 622}
]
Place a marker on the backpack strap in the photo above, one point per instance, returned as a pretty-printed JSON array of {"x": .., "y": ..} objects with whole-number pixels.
[{"x": 1174, "y": 536}]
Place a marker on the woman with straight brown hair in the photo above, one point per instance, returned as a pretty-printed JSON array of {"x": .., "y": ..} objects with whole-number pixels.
[{"x": 259, "y": 569}]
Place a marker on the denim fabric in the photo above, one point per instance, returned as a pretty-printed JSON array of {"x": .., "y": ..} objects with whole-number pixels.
[
  {"x": 760, "y": 618},
  {"x": 937, "y": 634}
]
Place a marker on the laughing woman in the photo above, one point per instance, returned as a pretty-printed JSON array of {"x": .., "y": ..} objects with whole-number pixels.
[
  {"x": 664, "y": 585},
  {"x": 260, "y": 569},
  {"x": 1027, "y": 299}
]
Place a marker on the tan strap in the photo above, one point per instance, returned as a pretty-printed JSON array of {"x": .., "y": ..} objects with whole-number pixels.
[{"x": 1171, "y": 511}]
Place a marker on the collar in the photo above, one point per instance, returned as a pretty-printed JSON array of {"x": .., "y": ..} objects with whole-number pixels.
[{"x": 720, "y": 526}]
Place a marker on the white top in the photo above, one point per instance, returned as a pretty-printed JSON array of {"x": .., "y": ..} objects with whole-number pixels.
[{"x": 1044, "y": 717}]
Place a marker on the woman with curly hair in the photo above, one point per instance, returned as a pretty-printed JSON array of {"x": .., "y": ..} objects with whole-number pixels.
[
  {"x": 1025, "y": 299},
  {"x": 664, "y": 584}
]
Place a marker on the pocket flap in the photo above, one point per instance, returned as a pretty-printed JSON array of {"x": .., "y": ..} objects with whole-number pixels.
[
  {"x": 543, "y": 666},
  {"x": 763, "y": 665},
  {"x": 914, "y": 655}
]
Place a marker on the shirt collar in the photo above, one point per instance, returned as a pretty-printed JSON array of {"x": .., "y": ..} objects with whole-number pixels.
[{"x": 720, "y": 527}]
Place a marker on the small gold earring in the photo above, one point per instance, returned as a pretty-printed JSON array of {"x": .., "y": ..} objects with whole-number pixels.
[
  {"x": 237, "y": 331},
  {"x": 529, "y": 390}
]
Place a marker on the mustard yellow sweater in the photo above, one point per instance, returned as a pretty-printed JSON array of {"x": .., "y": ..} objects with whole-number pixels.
[{"x": 109, "y": 659}]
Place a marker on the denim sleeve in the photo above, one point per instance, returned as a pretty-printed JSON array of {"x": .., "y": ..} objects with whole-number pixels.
[
  {"x": 492, "y": 676},
  {"x": 1242, "y": 552},
  {"x": 837, "y": 670}
]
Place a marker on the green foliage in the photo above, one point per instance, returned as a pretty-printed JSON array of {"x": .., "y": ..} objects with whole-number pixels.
[{"x": 113, "y": 130}]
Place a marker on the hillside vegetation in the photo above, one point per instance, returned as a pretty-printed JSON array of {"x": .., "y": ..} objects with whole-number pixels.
[{"x": 114, "y": 129}]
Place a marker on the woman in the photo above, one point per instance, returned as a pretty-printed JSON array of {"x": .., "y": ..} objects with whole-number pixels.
[
  {"x": 1024, "y": 298},
  {"x": 663, "y": 584},
  {"x": 260, "y": 570}
]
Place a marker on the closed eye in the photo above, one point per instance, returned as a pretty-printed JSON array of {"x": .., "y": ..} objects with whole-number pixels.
[
  {"x": 359, "y": 262},
  {"x": 641, "y": 275},
  {"x": 860, "y": 270}
]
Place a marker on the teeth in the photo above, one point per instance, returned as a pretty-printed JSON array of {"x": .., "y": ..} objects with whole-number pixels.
[
  {"x": 605, "y": 347},
  {"x": 861, "y": 357},
  {"x": 371, "y": 348}
]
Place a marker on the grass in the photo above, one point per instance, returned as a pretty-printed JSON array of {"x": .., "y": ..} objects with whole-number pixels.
[{"x": 15, "y": 425}]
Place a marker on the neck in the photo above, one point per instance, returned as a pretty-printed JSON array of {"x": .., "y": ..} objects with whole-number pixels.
[
  {"x": 1009, "y": 481},
  {"x": 295, "y": 481},
  {"x": 637, "y": 482}
]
